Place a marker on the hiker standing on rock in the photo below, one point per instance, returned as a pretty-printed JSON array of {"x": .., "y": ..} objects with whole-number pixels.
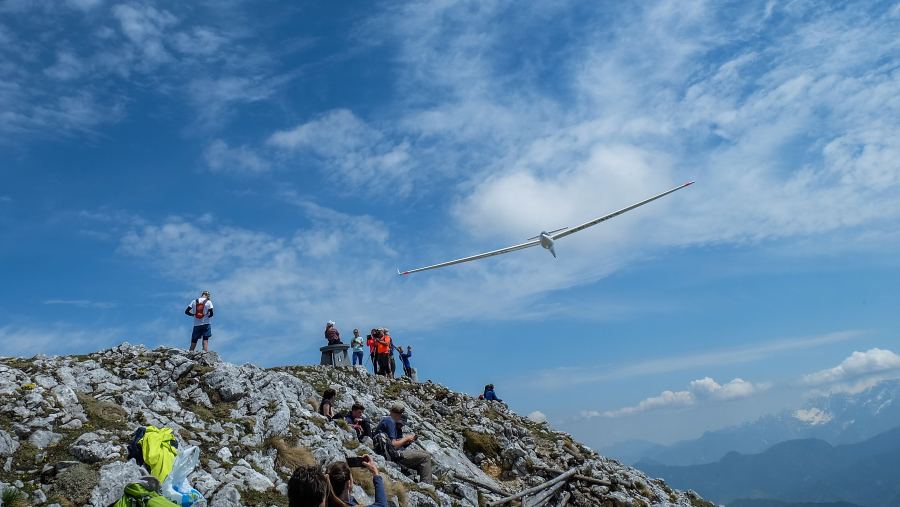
[
  {"x": 390, "y": 351},
  {"x": 332, "y": 334},
  {"x": 383, "y": 351},
  {"x": 358, "y": 346},
  {"x": 370, "y": 341},
  {"x": 404, "y": 356},
  {"x": 201, "y": 309}
]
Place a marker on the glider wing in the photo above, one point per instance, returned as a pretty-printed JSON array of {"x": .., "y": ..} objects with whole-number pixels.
[
  {"x": 614, "y": 214},
  {"x": 513, "y": 248}
]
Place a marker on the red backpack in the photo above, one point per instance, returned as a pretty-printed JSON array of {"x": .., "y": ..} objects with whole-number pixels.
[{"x": 199, "y": 309}]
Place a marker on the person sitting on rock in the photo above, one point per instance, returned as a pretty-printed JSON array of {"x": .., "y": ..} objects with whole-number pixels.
[
  {"x": 326, "y": 407},
  {"x": 307, "y": 487},
  {"x": 341, "y": 482},
  {"x": 358, "y": 421},
  {"x": 419, "y": 461},
  {"x": 332, "y": 334},
  {"x": 489, "y": 393}
]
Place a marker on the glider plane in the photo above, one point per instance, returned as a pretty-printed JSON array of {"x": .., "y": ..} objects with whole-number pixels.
[{"x": 547, "y": 240}]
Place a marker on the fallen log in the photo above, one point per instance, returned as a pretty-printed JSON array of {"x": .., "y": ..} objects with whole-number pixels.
[
  {"x": 536, "y": 489},
  {"x": 481, "y": 485},
  {"x": 579, "y": 477},
  {"x": 542, "y": 498}
]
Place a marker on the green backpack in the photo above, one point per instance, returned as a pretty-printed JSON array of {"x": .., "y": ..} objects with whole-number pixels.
[{"x": 136, "y": 495}]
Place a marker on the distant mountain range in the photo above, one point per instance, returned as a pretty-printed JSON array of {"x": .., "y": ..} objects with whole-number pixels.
[
  {"x": 837, "y": 419},
  {"x": 778, "y": 503},
  {"x": 809, "y": 470}
]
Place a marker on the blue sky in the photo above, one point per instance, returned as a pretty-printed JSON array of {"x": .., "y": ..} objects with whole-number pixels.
[{"x": 290, "y": 156}]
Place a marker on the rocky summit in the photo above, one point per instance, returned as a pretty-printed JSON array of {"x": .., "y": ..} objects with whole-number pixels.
[{"x": 65, "y": 422}]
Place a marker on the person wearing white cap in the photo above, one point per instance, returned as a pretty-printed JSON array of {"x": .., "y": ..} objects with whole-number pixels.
[{"x": 332, "y": 334}]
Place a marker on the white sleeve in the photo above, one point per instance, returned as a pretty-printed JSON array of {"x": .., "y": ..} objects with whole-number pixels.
[
  {"x": 193, "y": 306},
  {"x": 209, "y": 304}
]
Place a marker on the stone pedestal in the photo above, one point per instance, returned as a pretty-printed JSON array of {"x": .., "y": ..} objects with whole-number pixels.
[{"x": 335, "y": 355}]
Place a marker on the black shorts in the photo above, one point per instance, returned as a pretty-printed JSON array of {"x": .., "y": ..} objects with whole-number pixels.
[{"x": 201, "y": 331}]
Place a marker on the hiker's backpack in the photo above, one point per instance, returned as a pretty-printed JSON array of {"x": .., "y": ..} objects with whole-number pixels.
[
  {"x": 134, "y": 446},
  {"x": 137, "y": 495},
  {"x": 383, "y": 447},
  {"x": 199, "y": 309}
]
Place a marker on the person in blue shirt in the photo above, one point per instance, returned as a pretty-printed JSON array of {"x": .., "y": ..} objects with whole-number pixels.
[
  {"x": 407, "y": 369},
  {"x": 489, "y": 393},
  {"x": 341, "y": 482},
  {"x": 391, "y": 426}
]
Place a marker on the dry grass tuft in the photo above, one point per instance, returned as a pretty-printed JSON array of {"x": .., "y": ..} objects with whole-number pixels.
[
  {"x": 291, "y": 457},
  {"x": 363, "y": 478}
]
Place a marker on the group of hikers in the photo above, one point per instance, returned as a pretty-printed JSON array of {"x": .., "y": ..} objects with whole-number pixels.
[
  {"x": 309, "y": 485},
  {"x": 381, "y": 350},
  {"x": 388, "y": 439},
  {"x": 381, "y": 345}
]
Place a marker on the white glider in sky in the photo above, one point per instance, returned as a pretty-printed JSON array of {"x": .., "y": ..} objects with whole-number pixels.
[{"x": 546, "y": 239}]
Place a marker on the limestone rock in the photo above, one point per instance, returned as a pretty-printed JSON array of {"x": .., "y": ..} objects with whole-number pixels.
[
  {"x": 255, "y": 425},
  {"x": 113, "y": 479},
  {"x": 8, "y": 444}
]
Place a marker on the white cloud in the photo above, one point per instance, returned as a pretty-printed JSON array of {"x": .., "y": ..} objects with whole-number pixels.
[
  {"x": 812, "y": 416},
  {"x": 666, "y": 399},
  {"x": 858, "y": 365},
  {"x": 735, "y": 389},
  {"x": 356, "y": 153},
  {"x": 537, "y": 416},
  {"x": 145, "y": 26},
  {"x": 222, "y": 158},
  {"x": 701, "y": 390}
]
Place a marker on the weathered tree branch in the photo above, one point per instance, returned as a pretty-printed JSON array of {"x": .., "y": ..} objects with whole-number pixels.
[{"x": 531, "y": 491}]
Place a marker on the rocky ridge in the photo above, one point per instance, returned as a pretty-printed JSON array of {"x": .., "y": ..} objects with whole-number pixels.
[{"x": 65, "y": 420}]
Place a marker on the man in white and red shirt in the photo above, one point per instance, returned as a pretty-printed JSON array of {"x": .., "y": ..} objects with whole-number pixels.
[{"x": 201, "y": 309}]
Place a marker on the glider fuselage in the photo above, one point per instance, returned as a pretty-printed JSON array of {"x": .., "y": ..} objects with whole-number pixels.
[{"x": 547, "y": 243}]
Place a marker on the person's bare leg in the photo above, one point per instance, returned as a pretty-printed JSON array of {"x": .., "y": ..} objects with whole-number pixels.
[
  {"x": 206, "y": 345},
  {"x": 193, "y": 345}
]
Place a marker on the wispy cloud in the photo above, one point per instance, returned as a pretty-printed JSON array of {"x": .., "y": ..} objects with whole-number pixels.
[
  {"x": 222, "y": 158},
  {"x": 351, "y": 151},
  {"x": 701, "y": 390},
  {"x": 563, "y": 377}
]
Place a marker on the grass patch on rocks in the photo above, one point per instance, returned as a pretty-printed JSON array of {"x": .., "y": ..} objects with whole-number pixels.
[
  {"x": 263, "y": 499},
  {"x": 12, "y": 497},
  {"x": 476, "y": 442},
  {"x": 75, "y": 484},
  {"x": 103, "y": 414}
]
